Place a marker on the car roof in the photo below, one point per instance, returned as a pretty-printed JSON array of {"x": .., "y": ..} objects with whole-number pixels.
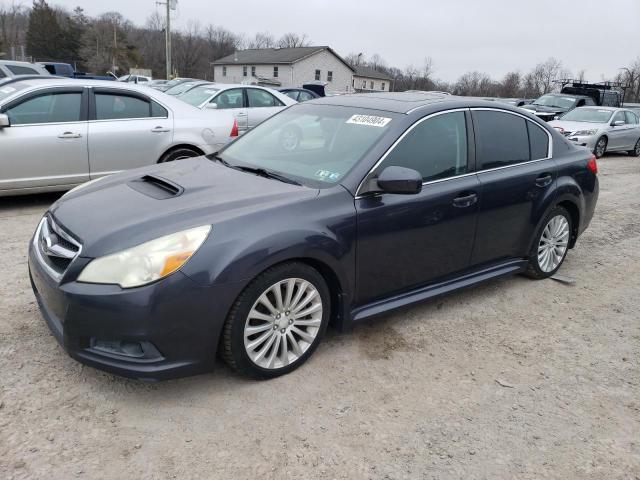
[{"x": 596, "y": 107}]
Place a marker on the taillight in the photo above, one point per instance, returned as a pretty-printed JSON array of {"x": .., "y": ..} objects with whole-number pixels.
[
  {"x": 593, "y": 165},
  {"x": 234, "y": 129}
]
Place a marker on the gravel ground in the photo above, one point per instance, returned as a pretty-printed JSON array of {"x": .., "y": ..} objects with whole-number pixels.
[{"x": 513, "y": 379}]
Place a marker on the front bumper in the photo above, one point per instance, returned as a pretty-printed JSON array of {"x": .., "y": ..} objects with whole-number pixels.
[
  {"x": 584, "y": 141},
  {"x": 176, "y": 321}
]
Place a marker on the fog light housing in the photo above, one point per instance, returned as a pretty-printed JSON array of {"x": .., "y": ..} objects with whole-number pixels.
[{"x": 122, "y": 348}]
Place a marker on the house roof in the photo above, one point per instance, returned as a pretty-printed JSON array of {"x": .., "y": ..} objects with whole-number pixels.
[
  {"x": 270, "y": 56},
  {"x": 370, "y": 72}
]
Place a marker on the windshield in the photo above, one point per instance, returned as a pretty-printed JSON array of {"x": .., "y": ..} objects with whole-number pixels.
[
  {"x": 555, "y": 101},
  {"x": 6, "y": 92},
  {"x": 199, "y": 95},
  {"x": 589, "y": 115},
  {"x": 178, "y": 89},
  {"x": 316, "y": 145}
]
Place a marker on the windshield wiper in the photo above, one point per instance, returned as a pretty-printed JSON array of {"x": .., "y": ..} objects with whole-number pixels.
[{"x": 261, "y": 172}]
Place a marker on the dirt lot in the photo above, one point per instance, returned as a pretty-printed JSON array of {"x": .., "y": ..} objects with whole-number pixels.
[{"x": 514, "y": 379}]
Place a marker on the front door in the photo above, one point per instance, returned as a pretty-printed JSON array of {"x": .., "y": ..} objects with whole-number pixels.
[
  {"x": 126, "y": 130},
  {"x": 516, "y": 177},
  {"x": 233, "y": 101},
  {"x": 406, "y": 241},
  {"x": 46, "y": 144}
]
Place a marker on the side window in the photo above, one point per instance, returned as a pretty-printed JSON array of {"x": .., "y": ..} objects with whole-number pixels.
[
  {"x": 305, "y": 96},
  {"x": 618, "y": 117},
  {"x": 501, "y": 139},
  {"x": 158, "y": 111},
  {"x": 111, "y": 106},
  {"x": 19, "y": 70},
  {"x": 2, "y": 74},
  {"x": 437, "y": 148},
  {"x": 631, "y": 118},
  {"x": 538, "y": 141},
  {"x": 230, "y": 99},
  {"x": 292, "y": 94},
  {"x": 260, "y": 98},
  {"x": 580, "y": 103},
  {"x": 51, "y": 108}
]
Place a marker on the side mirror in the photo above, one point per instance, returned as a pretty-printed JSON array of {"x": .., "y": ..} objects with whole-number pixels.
[
  {"x": 4, "y": 121},
  {"x": 400, "y": 180},
  {"x": 211, "y": 106},
  {"x": 557, "y": 117},
  {"x": 618, "y": 123}
]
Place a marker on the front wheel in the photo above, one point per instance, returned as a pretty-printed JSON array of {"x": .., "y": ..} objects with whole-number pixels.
[
  {"x": 636, "y": 150},
  {"x": 551, "y": 245},
  {"x": 277, "y": 322},
  {"x": 601, "y": 147}
]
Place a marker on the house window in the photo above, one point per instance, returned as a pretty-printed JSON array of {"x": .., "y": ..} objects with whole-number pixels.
[
  {"x": 371, "y": 85},
  {"x": 364, "y": 84},
  {"x": 224, "y": 71},
  {"x": 253, "y": 71},
  {"x": 383, "y": 85},
  {"x": 353, "y": 82},
  {"x": 318, "y": 74},
  {"x": 329, "y": 76},
  {"x": 244, "y": 71},
  {"x": 275, "y": 72}
]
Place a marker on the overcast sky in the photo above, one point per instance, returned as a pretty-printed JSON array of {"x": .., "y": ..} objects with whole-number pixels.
[{"x": 492, "y": 36}]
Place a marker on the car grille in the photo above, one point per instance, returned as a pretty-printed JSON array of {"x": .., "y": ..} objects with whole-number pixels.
[{"x": 56, "y": 248}]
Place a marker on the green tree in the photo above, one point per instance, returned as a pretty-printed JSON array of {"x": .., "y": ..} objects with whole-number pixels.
[{"x": 44, "y": 34}]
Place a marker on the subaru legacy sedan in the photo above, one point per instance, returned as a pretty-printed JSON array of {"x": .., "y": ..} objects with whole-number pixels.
[
  {"x": 602, "y": 129},
  {"x": 385, "y": 200}
]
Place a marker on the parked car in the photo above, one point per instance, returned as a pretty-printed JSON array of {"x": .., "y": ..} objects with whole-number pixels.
[
  {"x": 255, "y": 250},
  {"x": 172, "y": 83},
  {"x": 552, "y": 105},
  {"x": 142, "y": 79},
  {"x": 602, "y": 129},
  {"x": 299, "y": 94},
  {"x": 182, "y": 88},
  {"x": 516, "y": 102},
  {"x": 249, "y": 104},
  {"x": 56, "y": 133},
  {"x": 67, "y": 70},
  {"x": 10, "y": 68}
]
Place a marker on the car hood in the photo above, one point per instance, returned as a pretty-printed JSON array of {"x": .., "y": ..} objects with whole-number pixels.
[
  {"x": 133, "y": 207},
  {"x": 544, "y": 108},
  {"x": 575, "y": 126}
]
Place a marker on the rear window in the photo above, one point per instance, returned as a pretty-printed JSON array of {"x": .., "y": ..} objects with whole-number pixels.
[
  {"x": 9, "y": 90},
  {"x": 502, "y": 139},
  {"x": 20, "y": 70}
]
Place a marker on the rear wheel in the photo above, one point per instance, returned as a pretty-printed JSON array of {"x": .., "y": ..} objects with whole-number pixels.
[
  {"x": 277, "y": 322},
  {"x": 551, "y": 245},
  {"x": 636, "y": 150},
  {"x": 179, "y": 154},
  {"x": 601, "y": 147}
]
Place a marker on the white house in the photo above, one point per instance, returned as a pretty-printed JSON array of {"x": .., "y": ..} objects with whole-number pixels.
[
  {"x": 286, "y": 67},
  {"x": 368, "y": 79}
]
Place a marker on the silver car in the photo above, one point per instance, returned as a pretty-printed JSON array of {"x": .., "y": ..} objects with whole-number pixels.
[
  {"x": 249, "y": 104},
  {"x": 58, "y": 133},
  {"x": 11, "y": 68},
  {"x": 601, "y": 129}
]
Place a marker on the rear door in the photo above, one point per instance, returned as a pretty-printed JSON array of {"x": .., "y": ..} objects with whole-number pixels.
[
  {"x": 262, "y": 105},
  {"x": 517, "y": 174},
  {"x": 46, "y": 144},
  {"x": 405, "y": 241},
  {"x": 234, "y": 101},
  {"x": 126, "y": 130},
  {"x": 634, "y": 130}
]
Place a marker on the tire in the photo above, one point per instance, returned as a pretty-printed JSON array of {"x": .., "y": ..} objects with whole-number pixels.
[
  {"x": 269, "y": 351},
  {"x": 179, "y": 154},
  {"x": 636, "y": 150},
  {"x": 557, "y": 245},
  {"x": 601, "y": 147}
]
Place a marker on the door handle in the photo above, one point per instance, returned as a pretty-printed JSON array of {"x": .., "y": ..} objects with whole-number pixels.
[
  {"x": 544, "y": 180},
  {"x": 69, "y": 135},
  {"x": 465, "y": 201},
  {"x": 241, "y": 115},
  {"x": 160, "y": 130}
]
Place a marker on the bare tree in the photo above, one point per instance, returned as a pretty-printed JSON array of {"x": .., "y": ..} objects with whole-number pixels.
[
  {"x": 293, "y": 40},
  {"x": 511, "y": 85},
  {"x": 261, "y": 40},
  {"x": 545, "y": 73}
]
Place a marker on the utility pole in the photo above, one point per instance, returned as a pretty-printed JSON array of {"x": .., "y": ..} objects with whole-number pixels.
[{"x": 171, "y": 5}]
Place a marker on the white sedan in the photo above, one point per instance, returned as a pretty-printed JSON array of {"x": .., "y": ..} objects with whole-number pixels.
[
  {"x": 57, "y": 133},
  {"x": 249, "y": 104}
]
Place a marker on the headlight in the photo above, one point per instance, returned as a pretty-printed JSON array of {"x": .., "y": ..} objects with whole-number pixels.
[
  {"x": 584, "y": 133},
  {"x": 147, "y": 262}
]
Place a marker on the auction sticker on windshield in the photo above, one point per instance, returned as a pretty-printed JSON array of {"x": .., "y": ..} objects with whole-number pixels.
[{"x": 369, "y": 120}]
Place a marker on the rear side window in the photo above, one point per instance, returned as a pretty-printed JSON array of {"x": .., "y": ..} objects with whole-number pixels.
[
  {"x": 437, "y": 148},
  {"x": 501, "y": 139},
  {"x": 114, "y": 107},
  {"x": 229, "y": 99},
  {"x": 2, "y": 75},
  {"x": 538, "y": 141},
  {"x": 158, "y": 111},
  {"x": 260, "y": 98},
  {"x": 51, "y": 108},
  {"x": 631, "y": 118},
  {"x": 19, "y": 70}
]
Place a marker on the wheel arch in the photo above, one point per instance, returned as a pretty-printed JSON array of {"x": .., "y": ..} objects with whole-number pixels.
[
  {"x": 180, "y": 146},
  {"x": 574, "y": 212}
]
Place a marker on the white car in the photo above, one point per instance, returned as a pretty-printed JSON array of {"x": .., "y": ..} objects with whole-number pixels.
[
  {"x": 57, "y": 133},
  {"x": 249, "y": 104},
  {"x": 10, "y": 68}
]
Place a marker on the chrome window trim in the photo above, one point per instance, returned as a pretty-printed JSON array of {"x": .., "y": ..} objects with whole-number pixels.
[{"x": 477, "y": 172}]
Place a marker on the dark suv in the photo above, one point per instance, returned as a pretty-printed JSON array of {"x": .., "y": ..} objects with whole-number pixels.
[{"x": 387, "y": 200}]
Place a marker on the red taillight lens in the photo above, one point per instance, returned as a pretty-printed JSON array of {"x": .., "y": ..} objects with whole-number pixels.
[
  {"x": 234, "y": 129},
  {"x": 593, "y": 165}
]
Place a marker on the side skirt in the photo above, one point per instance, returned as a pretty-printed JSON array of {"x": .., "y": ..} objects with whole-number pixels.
[{"x": 426, "y": 293}]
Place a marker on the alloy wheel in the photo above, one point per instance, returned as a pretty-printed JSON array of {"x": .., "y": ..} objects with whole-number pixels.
[
  {"x": 637, "y": 149},
  {"x": 283, "y": 323},
  {"x": 601, "y": 147},
  {"x": 553, "y": 244}
]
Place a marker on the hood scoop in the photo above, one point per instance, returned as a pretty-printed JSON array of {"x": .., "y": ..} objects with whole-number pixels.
[{"x": 156, "y": 187}]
